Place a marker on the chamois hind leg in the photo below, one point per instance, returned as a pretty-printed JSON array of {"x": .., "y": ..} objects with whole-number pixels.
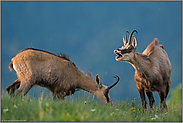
[
  {"x": 162, "y": 95},
  {"x": 11, "y": 88},
  {"x": 167, "y": 88},
  {"x": 142, "y": 95},
  {"x": 24, "y": 88},
  {"x": 151, "y": 98}
]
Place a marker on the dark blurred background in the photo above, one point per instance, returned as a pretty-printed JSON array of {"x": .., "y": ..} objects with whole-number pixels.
[{"x": 89, "y": 32}]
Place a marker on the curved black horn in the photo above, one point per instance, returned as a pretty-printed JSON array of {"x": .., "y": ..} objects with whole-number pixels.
[
  {"x": 126, "y": 37},
  {"x": 129, "y": 41},
  {"x": 117, "y": 80}
]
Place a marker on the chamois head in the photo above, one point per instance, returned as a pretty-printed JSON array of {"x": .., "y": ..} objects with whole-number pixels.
[
  {"x": 103, "y": 93},
  {"x": 128, "y": 50}
]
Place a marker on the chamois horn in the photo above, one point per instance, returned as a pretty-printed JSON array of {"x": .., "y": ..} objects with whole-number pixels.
[
  {"x": 117, "y": 80},
  {"x": 129, "y": 41},
  {"x": 125, "y": 41}
]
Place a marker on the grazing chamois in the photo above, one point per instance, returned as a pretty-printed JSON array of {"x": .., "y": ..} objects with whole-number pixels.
[
  {"x": 152, "y": 69},
  {"x": 54, "y": 72}
]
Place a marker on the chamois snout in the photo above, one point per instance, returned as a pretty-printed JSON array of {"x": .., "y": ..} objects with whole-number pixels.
[{"x": 103, "y": 93}]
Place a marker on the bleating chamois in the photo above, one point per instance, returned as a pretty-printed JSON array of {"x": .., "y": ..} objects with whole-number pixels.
[
  {"x": 152, "y": 69},
  {"x": 55, "y": 72}
]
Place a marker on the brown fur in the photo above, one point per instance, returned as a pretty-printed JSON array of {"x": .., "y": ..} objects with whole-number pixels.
[
  {"x": 152, "y": 71},
  {"x": 64, "y": 56},
  {"x": 153, "y": 74},
  {"x": 151, "y": 47},
  {"x": 54, "y": 72}
]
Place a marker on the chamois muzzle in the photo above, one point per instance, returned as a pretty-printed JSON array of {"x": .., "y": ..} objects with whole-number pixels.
[{"x": 121, "y": 51}]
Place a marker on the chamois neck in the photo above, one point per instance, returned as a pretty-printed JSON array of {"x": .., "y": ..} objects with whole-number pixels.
[
  {"x": 141, "y": 62},
  {"x": 87, "y": 84}
]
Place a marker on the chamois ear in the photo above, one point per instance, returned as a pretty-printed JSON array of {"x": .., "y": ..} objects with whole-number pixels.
[
  {"x": 134, "y": 42},
  {"x": 98, "y": 81}
]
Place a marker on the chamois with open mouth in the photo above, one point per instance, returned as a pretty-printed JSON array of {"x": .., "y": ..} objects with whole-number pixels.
[{"x": 152, "y": 68}]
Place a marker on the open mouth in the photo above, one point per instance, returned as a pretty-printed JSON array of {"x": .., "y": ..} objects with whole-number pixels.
[{"x": 118, "y": 55}]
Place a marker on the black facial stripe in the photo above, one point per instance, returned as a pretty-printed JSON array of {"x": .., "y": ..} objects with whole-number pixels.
[
  {"x": 107, "y": 99},
  {"x": 106, "y": 95},
  {"x": 126, "y": 50}
]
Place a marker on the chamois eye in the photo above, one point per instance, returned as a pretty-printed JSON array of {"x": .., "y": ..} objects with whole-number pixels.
[
  {"x": 129, "y": 47},
  {"x": 106, "y": 91}
]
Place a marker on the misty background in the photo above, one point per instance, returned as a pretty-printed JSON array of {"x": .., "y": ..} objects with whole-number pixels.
[{"x": 89, "y": 32}]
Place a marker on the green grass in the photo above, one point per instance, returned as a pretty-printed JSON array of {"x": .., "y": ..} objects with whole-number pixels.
[{"x": 40, "y": 110}]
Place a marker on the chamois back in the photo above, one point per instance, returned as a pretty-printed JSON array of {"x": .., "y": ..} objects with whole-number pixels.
[
  {"x": 151, "y": 47},
  {"x": 64, "y": 56}
]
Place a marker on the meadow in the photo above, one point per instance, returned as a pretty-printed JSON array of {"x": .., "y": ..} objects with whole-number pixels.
[{"x": 82, "y": 109}]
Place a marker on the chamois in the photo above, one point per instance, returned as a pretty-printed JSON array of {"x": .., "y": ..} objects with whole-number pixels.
[
  {"x": 152, "y": 69},
  {"x": 55, "y": 72}
]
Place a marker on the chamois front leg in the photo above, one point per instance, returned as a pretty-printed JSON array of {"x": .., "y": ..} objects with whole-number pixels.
[
  {"x": 57, "y": 95},
  {"x": 151, "y": 98},
  {"x": 163, "y": 99},
  {"x": 142, "y": 95}
]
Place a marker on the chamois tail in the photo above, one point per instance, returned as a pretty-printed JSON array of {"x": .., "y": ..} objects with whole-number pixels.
[{"x": 11, "y": 66}]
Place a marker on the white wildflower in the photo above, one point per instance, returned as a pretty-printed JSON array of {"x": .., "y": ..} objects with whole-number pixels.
[
  {"x": 112, "y": 114},
  {"x": 153, "y": 118},
  {"x": 6, "y": 109},
  {"x": 15, "y": 106},
  {"x": 117, "y": 109},
  {"x": 93, "y": 109},
  {"x": 156, "y": 116}
]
